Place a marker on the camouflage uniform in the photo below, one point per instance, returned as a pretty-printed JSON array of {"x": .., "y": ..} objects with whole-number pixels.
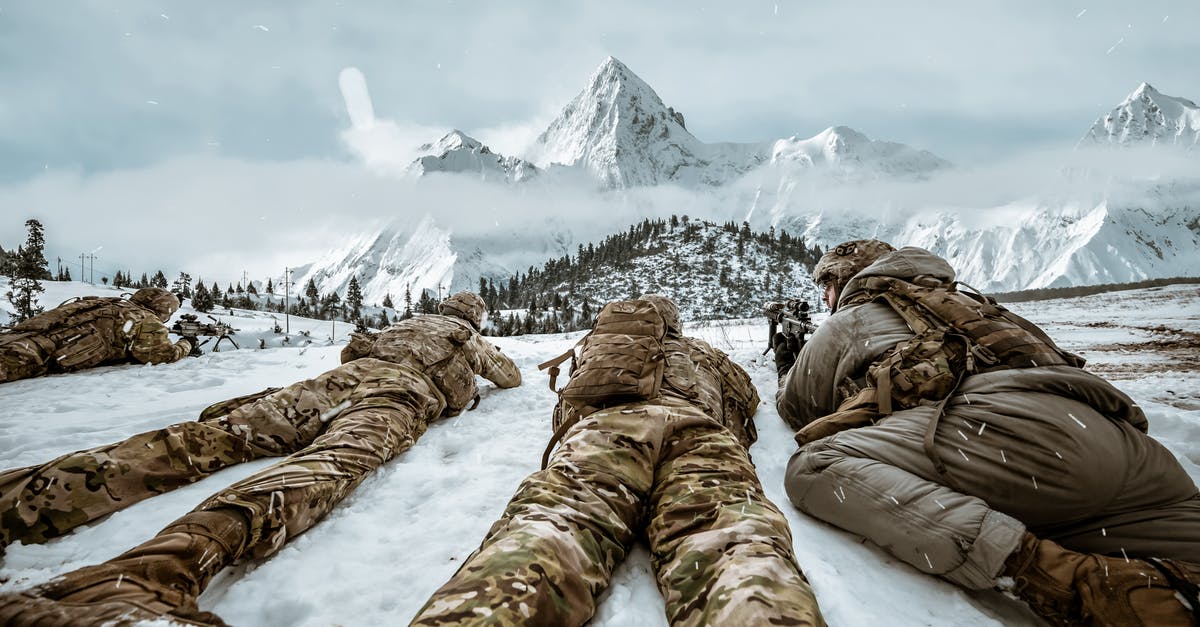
[
  {"x": 92, "y": 331},
  {"x": 674, "y": 470},
  {"x": 335, "y": 429}
]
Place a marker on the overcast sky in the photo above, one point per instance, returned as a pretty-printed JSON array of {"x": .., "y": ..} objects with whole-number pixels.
[{"x": 101, "y": 95}]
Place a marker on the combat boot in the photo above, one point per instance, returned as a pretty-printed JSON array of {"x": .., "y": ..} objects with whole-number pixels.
[
  {"x": 1069, "y": 588},
  {"x": 160, "y": 578}
]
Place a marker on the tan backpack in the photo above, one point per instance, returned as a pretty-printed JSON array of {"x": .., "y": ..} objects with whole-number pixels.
[
  {"x": 620, "y": 361},
  {"x": 86, "y": 331},
  {"x": 957, "y": 334}
]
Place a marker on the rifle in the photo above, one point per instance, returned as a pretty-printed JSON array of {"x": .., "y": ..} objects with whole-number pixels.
[
  {"x": 790, "y": 317},
  {"x": 188, "y": 326}
]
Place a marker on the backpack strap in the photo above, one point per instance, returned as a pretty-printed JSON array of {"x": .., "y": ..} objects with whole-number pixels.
[
  {"x": 553, "y": 363},
  {"x": 557, "y": 437}
]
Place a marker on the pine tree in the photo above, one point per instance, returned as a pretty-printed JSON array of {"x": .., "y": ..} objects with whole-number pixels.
[
  {"x": 66, "y": 274},
  {"x": 408, "y": 310},
  {"x": 270, "y": 286},
  {"x": 202, "y": 299},
  {"x": 354, "y": 298},
  {"x": 159, "y": 280},
  {"x": 26, "y": 272},
  {"x": 426, "y": 305},
  {"x": 182, "y": 288},
  {"x": 310, "y": 291},
  {"x": 250, "y": 289},
  {"x": 145, "y": 282},
  {"x": 387, "y": 301}
]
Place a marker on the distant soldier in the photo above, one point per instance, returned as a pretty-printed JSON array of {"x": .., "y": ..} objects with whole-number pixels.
[
  {"x": 655, "y": 430},
  {"x": 93, "y": 331},
  {"x": 335, "y": 429}
]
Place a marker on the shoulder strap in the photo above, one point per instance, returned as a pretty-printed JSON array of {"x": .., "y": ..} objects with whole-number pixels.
[{"x": 553, "y": 363}]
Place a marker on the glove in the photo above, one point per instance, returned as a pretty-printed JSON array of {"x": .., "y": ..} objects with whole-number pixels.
[
  {"x": 195, "y": 344},
  {"x": 786, "y": 347}
]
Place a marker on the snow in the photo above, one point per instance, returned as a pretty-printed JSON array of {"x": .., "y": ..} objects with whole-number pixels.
[
  {"x": 1085, "y": 219},
  {"x": 1147, "y": 116},
  {"x": 376, "y": 558}
]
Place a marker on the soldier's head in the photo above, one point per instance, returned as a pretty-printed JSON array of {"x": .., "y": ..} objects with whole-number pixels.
[
  {"x": 158, "y": 300},
  {"x": 847, "y": 259},
  {"x": 466, "y": 305},
  {"x": 667, "y": 309}
]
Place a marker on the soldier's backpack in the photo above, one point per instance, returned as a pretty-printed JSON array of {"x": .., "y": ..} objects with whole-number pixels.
[
  {"x": 957, "y": 334},
  {"x": 620, "y": 361},
  {"x": 84, "y": 331}
]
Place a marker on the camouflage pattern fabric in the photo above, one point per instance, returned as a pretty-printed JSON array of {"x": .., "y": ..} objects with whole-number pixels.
[
  {"x": 384, "y": 416},
  {"x": 675, "y": 471},
  {"x": 450, "y": 352},
  {"x": 85, "y": 333},
  {"x": 42, "y": 502}
]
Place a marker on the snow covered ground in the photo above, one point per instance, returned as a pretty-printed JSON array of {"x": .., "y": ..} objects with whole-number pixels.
[{"x": 377, "y": 558}]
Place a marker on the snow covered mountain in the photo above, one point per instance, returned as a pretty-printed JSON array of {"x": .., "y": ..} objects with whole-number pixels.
[
  {"x": 458, "y": 152},
  {"x": 1030, "y": 245},
  {"x": 618, "y": 131},
  {"x": 386, "y": 262},
  {"x": 852, "y": 154},
  {"x": 1118, "y": 226},
  {"x": 1148, "y": 116}
]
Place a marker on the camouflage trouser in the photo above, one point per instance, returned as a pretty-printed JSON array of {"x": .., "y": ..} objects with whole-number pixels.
[
  {"x": 367, "y": 410},
  {"x": 721, "y": 551},
  {"x": 23, "y": 356}
]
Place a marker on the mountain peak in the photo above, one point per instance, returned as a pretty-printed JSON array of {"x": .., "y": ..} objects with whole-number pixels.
[
  {"x": 458, "y": 152},
  {"x": 618, "y": 129},
  {"x": 453, "y": 140},
  {"x": 1147, "y": 116}
]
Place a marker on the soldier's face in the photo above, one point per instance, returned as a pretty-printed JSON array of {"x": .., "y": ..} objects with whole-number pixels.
[{"x": 831, "y": 295}]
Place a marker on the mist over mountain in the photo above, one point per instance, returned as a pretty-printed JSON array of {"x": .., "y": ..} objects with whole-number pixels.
[{"x": 617, "y": 154}]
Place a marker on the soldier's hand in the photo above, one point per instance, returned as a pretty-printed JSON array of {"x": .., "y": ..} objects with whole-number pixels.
[
  {"x": 194, "y": 341},
  {"x": 786, "y": 347}
]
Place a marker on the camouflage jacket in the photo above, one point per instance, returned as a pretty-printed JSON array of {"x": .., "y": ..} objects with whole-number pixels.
[
  {"x": 446, "y": 349},
  {"x": 93, "y": 331},
  {"x": 704, "y": 377}
]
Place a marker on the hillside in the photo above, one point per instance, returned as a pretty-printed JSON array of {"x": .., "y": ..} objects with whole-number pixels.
[{"x": 712, "y": 271}]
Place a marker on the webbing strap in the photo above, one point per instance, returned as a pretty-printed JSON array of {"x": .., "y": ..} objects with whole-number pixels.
[
  {"x": 931, "y": 433},
  {"x": 557, "y": 437},
  {"x": 1185, "y": 588},
  {"x": 553, "y": 363}
]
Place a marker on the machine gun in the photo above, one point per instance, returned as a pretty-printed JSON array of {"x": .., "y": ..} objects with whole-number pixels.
[
  {"x": 189, "y": 327},
  {"x": 790, "y": 318}
]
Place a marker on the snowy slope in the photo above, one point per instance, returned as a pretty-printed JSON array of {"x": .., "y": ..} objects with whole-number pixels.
[
  {"x": 1029, "y": 245},
  {"x": 386, "y": 262},
  {"x": 406, "y": 529},
  {"x": 1147, "y": 116}
]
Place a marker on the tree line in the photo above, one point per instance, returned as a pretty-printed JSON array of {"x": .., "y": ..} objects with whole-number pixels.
[
  {"x": 26, "y": 267},
  {"x": 672, "y": 256}
]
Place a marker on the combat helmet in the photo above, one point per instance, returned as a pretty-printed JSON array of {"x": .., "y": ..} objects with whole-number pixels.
[
  {"x": 466, "y": 305},
  {"x": 848, "y": 259},
  {"x": 156, "y": 299},
  {"x": 667, "y": 309}
]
